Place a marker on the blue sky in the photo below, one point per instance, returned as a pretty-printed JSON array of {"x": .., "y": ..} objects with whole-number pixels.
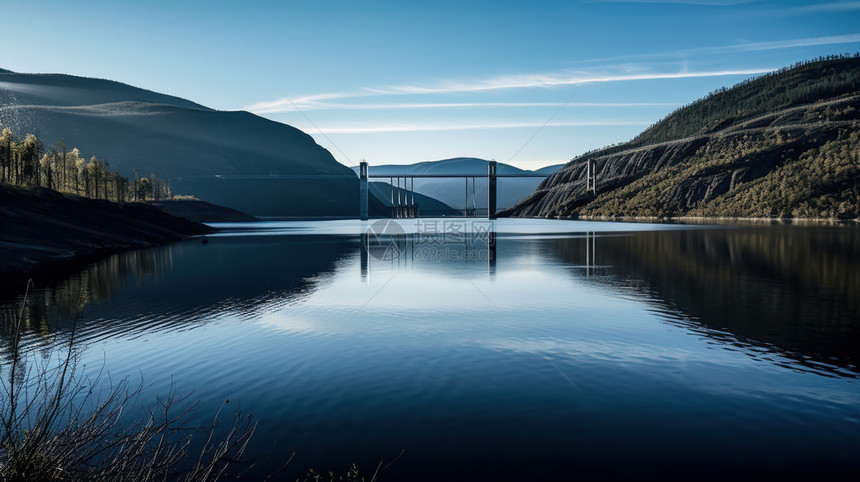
[{"x": 530, "y": 83}]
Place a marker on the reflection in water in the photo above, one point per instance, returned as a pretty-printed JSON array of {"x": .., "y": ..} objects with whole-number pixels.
[
  {"x": 505, "y": 356},
  {"x": 177, "y": 286},
  {"x": 789, "y": 289},
  {"x": 795, "y": 291},
  {"x": 399, "y": 249},
  {"x": 47, "y": 310}
]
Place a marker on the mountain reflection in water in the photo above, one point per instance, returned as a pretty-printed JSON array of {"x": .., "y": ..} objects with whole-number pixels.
[
  {"x": 790, "y": 290},
  {"x": 179, "y": 286}
]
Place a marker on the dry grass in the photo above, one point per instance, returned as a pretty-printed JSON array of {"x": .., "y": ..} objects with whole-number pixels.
[{"x": 56, "y": 424}]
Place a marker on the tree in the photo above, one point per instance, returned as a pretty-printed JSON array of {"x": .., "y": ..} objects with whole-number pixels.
[
  {"x": 96, "y": 173},
  {"x": 136, "y": 186},
  {"x": 144, "y": 188},
  {"x": 82, "y": 177},
  {"x": 60, "y": 165},
  {"x": 47, "y": 171},
  {"x": 7, "y": 140},
  {"x": 30, "y": 154}
]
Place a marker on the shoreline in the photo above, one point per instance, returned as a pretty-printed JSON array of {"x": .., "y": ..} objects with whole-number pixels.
[
  {"x": 720, "y": 220},
  {"x": 46, "y": 234}
]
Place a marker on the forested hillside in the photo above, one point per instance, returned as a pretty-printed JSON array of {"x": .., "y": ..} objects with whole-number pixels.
[{"x": 783, "y": 145}]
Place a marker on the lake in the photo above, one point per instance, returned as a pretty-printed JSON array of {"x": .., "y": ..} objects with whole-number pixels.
[{"x": 467, "y": 349}]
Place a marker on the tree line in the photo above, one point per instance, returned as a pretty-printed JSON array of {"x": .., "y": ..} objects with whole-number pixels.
[
  {"x": 804, "y": 82},
  {"x": 27, "y": 163}
]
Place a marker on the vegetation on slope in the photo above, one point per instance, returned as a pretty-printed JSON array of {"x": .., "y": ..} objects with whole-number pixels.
[
  {"x": 805, "y": 82},
  {"x": 810, "y": 180},
  {"x": 26, "y": 164},
  {"x": 783, "y": 145}
]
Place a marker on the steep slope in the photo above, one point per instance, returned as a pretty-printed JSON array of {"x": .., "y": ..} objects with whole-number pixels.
[
  {"x": 235, "y": 159},
  {"x": 783, "y": 145}
]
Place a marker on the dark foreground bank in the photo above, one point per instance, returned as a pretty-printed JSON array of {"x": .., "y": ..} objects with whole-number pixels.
[{"x": 44, "y": 233}]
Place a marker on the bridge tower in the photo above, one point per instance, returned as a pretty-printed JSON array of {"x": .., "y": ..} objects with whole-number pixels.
[
  {"x": 491, "y": 190},
  {"x": 590, "y": 177},
  {"x": 362, "y": 189}
]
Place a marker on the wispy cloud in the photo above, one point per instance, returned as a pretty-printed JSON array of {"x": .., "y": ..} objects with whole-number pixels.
[
  {"x": 526, "y": 81},
  {"x": 552, "y": 80},
  {"x": 327, "y": 101},
  {"x": 283, "y": 105},
  {"x": 432, "y": 127}
]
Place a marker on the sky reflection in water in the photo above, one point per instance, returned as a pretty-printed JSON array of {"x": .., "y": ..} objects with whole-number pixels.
[{"x": 700, "y": 350}]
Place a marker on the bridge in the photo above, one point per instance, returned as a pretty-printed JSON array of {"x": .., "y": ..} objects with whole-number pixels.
[
  {"x": 403, "y": 201},
  {"x": 404, "y": 204}
]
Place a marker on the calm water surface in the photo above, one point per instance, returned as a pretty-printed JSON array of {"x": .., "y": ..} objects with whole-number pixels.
[{"x": 545, "y": 350}]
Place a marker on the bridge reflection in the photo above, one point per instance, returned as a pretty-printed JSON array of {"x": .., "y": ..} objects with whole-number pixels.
[
  {"x": 402, "y": 250},
  {"x": 464, "y": 243}
]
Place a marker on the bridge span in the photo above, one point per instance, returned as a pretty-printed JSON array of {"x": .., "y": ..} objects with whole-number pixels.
[{"x": 403, "y": 205}]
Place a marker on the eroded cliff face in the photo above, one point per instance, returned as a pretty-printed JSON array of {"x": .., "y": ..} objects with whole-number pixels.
[
  {"x": 563, "y": 193},
  {"x": 706, "y": 174}
]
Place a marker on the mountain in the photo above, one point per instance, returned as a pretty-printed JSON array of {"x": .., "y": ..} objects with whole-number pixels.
[
  {"x": 458, "y": 165},
  {"x": 234, "y": 159},
  {"x": 786, "y": 144},
  {"x": 549, "y": 169},
  {"x": 69, "y": 90},
  {"x": 452, "y": 192}
]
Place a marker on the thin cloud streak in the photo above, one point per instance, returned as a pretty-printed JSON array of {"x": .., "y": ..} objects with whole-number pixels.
[
  {"x": 406, "y": 127},
  {"x": 283, "y": 106},
  {"x": 554, "y": 80},
  {"x": 312, "y": 102}
]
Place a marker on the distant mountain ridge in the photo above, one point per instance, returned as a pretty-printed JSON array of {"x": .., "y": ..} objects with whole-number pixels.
[
  {"x": 471, "y": 166},
  {"x": 231, "y": 158},
  {"x": 786, "y": 144}
]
